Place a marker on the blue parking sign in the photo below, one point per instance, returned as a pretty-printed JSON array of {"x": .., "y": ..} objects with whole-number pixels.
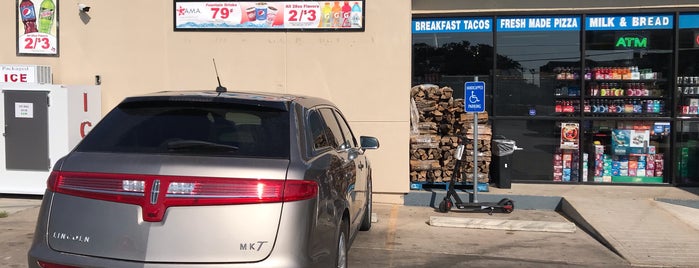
[{"x": 474, "y": 97}]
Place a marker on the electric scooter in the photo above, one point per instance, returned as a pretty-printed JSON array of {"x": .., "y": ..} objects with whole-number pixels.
[{"x": 505, "y": 205}]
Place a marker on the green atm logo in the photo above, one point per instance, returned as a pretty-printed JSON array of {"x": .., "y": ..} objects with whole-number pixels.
[{"x": 631, "y": 42}]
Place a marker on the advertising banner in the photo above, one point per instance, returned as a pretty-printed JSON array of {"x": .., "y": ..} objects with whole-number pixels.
[
  {"x": 531, "y": 24},
  {"x": 688, "y": 21},
  {"x": 630, "y": 22},
  {"x": 37, "y": 27},
  {"x": 630, "y": 141},
  {"x": 570, "y": 136},
  {"x": 282, "y": 15},
  {"x": 452, "y": 25}
]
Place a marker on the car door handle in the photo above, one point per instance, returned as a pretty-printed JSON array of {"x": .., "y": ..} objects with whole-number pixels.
[{"x": 361, "y": 166}]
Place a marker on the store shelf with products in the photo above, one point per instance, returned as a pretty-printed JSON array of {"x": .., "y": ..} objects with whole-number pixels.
[
  {"x": 611, "y": 92},
  {"x": 566, "y": 158},
  {"x": 627, "y": 107},
  {"x": 628, "y": 152},
  {"x": 688, "y": 94},
  {"x": 567, "y": 91},
  {"x": 625, "y": 92}
]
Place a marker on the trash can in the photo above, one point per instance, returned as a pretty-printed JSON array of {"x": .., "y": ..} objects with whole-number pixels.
[{"x": 503, "y": 149}]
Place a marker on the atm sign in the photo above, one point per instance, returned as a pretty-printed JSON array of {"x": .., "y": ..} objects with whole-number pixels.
[{"x": 631, "y": 41}]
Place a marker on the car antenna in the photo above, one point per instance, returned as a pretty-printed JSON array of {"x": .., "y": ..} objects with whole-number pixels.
[{"x": 220, "y": 89}]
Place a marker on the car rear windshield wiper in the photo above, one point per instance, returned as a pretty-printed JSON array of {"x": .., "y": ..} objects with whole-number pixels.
[{"x": 197, "y": 145}]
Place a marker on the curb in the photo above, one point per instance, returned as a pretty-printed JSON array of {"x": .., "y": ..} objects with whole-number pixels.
[{"x": 509, "y": 225}]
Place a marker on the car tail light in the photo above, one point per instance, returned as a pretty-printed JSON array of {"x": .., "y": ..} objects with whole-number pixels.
[
  {"x": 44, "y": 264},
  {"x": 155, "y": 193}
]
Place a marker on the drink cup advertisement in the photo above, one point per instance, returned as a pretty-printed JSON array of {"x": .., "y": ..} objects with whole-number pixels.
[
  {"x": 570, "y": 135},
  {"x": 277, "y": 15},
  {"x": 37, "y": 27}
]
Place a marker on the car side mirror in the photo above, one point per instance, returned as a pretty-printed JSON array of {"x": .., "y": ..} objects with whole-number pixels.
[{"x": 368, "y": 142}]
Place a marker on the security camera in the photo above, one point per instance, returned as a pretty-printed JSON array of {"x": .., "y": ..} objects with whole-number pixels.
[{"x": 83, "y": 8}]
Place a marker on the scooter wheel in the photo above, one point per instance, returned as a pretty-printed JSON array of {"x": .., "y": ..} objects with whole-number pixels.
[
  {"x": 508, "y": 206},
  {"x": 444, "y": 206}
]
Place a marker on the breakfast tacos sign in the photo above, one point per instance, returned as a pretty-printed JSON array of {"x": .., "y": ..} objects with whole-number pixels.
[{"x": 570, "y": 138}]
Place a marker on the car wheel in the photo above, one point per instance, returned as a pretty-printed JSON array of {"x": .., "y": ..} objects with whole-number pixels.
[
  {"x": 342, "y": 245},
  {"x": 366, "y": 222}
]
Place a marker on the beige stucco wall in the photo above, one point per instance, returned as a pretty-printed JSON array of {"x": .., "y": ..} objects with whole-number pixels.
[{"x": 132, "y": 46}]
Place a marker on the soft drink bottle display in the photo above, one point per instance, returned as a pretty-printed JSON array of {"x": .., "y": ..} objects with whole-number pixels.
[
  {"x": 346, "y": 12},
  {"x": 337, "y": 14},
  {"x": 26, "y": 11},
  {"x": 46, "y": 12},
  {"x": 356, "y": 16},
  {"x": 326, "y": 16}
]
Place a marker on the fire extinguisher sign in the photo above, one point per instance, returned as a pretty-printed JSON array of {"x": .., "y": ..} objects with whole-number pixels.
[{"x": 37, "y": 27}]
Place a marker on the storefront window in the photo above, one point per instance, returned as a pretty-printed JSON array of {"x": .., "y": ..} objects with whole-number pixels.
[
  {"x": 538, "y": 67},
  {"x": 687, "y": 130},
  {"x": 628, "y": 74},
  {"x": 627, "y": 151},
  {"x": 452, "y": 51},
  {"x": 591, "y": 98},
  {"x": 541, "y": 157}
]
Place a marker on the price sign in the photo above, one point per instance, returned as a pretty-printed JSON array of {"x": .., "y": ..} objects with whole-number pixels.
[
  {"x": 225, "y": 14},
  {"x": 276, "y": 15},
  {"x": 302, "y": 15},
  {"x": 37, "y": 43},
  {"x": 230, "y": 13},
  {"x": 37, "y": 28}
]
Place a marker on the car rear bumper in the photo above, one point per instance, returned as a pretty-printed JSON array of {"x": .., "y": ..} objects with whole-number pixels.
[{"x": 291, "y": 248}]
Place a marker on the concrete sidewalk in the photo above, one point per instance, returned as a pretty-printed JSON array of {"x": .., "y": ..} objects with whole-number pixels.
[
  {"x": 403, "y": 237},
  {"x": 656, "y": 226}
]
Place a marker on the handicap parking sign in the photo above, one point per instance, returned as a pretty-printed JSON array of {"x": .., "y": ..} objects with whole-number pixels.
[{"x": 474, "y": 97}]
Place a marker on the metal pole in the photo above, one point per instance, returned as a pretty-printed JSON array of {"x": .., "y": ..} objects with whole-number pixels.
[{"x": 475, "y": 153}]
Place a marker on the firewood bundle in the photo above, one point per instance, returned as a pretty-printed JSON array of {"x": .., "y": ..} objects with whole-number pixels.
[{"x": 438, "y": 120}]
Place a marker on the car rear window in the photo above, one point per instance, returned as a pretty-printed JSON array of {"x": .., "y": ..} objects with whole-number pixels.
[{"x": 197, "y": 128}]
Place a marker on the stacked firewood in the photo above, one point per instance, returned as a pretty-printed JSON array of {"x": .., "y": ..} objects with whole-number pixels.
[{"x": 438, "y": 120}]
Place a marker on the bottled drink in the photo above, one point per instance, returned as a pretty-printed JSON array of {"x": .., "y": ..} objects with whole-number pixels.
[
  {"x": 619, "y": 106},
  {"x": 337, "y": 14},
  {"x": 46, "y": 11},
  {"x": 587, "y": 108},
  {"x": 326, "y": 16},
  {"x": 346, "y": 12},
  {"x": 611, "y": 106},
  {"x": 558, "y": 108},
  {"x": 636, "y": 107},
  {"x": 26, "y": 11},
  {"x": 356, "y": 16}
]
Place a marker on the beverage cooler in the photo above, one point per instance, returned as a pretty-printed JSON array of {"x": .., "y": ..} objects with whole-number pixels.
[{"x": 43, "y": 122}]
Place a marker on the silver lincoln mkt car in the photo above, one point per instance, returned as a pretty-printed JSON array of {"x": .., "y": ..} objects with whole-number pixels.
[{"x": 208, "y": 179}]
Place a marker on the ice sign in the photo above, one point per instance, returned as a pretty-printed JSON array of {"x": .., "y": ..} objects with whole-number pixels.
[{"x": 474, "y": 97}]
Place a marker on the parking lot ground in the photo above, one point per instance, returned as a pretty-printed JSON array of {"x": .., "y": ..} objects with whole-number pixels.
[
  {"x": 16, "y": 233},
  {"x": 402, "y": 237}
]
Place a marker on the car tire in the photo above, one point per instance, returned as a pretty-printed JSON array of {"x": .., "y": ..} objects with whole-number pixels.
[
  {"x": 366, "y": 222},
  {"x": 342, "y": 241}
]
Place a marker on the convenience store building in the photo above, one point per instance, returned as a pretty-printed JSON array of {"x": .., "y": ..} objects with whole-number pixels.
[
  {"x": 595, "y": 93},
  {"x": 547, "y": 65}
]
